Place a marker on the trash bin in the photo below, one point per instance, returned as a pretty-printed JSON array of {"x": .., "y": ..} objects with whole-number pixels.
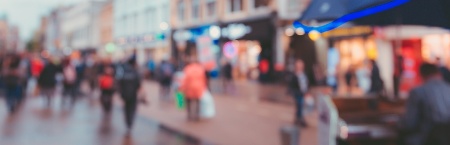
[{"x": 289, "y": 135}]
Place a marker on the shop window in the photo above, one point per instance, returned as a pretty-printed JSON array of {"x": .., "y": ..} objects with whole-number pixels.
[
  {"x": 235, "y": 5},
  {"x": 211, "y": 8},
  {"x": 261, "y": 3},
  {"x": 195, "y": 9}
]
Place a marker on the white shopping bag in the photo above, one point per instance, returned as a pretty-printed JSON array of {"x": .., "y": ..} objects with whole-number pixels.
[{"x": 207, "y": 107}]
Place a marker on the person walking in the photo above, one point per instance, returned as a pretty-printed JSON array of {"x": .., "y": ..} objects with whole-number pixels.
[
  {"x": 376, "y": 83},
  {"x": 228, "y": 84},
  {"x": 47, "y": 80},
  {"x": 91, "y": 73},
  {"x": 166, "y": 72},
  {"x": 69, "y": 83},
  {"x": 12, "y": 82},
  {"x": 129, "y": 83},
  {"x": 106, "y": 82},
  {"x": 298, "y": 88},
  {"x": 193, "y": 86},
  {"x": 427, "y": 117}
]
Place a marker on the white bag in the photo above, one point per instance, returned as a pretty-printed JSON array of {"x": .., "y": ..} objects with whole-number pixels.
[{"x": 207, "y": 108}]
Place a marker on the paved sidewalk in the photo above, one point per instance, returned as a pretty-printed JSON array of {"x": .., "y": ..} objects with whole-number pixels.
[{"x": 239, "y": 120}]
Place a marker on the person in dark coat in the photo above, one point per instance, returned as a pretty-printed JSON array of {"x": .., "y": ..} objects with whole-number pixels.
[
  {"x": 426, "y": 120},
  {"x": 227, "y": 71},
  {"x": 298, "y": 87},
  {"x": 47, "y": 80},
  {"x": 445, "y": 72},
  {"x": 12, "y": 80},
  {"x": 376, "y": 83},
  {"x": 129, "y": 83}
]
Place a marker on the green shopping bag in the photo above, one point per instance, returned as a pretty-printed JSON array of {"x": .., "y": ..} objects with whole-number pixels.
[{"x": 179, "y": 97}]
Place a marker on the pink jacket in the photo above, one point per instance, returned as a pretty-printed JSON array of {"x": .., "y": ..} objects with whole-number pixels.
[{"x": 194, "y": 82}]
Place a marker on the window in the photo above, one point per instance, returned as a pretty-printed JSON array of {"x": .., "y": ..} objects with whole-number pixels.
[
  {"x": 151, "y": 19},
  {"x": 235, "y": 5},
  {"x": 261, "y": 3},
  {"x": 211, "y": 8},
  {"x": 195, "y": 9},
  {"x": 181, "y": 10}
]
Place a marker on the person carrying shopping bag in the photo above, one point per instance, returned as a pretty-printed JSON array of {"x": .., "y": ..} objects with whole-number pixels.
[{"x": 193, "y": 86}]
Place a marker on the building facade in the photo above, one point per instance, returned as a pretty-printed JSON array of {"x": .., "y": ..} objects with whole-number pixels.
[
  {"x": 106, "y": 29},
  {"x": 141, "y": 26},
  {"x": 249, "y": 33},
  {"x": 80, "y": 28}
]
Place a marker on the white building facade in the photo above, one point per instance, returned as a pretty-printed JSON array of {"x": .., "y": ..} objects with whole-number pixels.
[
  {"x": 79, "y": 28},
  {"x": 141, "y": 26}
]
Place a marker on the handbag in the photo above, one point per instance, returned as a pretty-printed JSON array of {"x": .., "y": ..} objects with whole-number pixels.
[{"x": 207, "y": 107}]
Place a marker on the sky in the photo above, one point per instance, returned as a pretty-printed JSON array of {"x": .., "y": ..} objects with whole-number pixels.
[{"x": 26, "y": 14}]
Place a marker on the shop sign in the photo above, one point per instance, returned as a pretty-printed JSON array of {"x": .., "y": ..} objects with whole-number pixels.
[
  {"x": 353, "y": 31},
  {"x": 236, "y": 31},
  {"x": 205, "y": 51}
]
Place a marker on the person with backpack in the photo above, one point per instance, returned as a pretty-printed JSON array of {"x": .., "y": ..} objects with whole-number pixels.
[
  {"x": 47, "y": 80},
  {"x": 106, "y": 81},
  {"x": 129, "y": 83},
  {"x": 70, "y": 78},
  {"x": 12, "y": 82},
  {"x": 165, "y": 79}
]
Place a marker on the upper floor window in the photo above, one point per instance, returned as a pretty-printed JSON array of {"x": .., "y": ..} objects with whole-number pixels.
[
  {"x": 211, "y": 8},
  {"x": 180, "y": 10},
  {"x": 235, "y": 5},
  {"x": 261, "y": 3},
  {"x": 195, "y": 9}
]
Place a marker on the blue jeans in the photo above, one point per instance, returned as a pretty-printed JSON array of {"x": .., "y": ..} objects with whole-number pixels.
[
  {"x": 299, "y": 106},
  {"x": 13, "y": 96}
]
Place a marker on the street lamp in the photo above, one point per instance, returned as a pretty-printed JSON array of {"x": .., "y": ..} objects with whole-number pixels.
[{"x": 163, "y": 26}]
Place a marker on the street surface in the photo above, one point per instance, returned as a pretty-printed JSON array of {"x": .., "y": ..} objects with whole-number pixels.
[{"x": 35, "y": 124}]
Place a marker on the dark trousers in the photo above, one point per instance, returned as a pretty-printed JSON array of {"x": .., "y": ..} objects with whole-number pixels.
[
  {"x": 130, "y": 107},
  {"x": 193, "y": 109},
  {"x": 397, "y": 80},
  {"x": 13, "y": 97},
  {"x": 69, "y": 92},
  {"x": 298, "y": 107},
  {"x": 106, "y": 99}
]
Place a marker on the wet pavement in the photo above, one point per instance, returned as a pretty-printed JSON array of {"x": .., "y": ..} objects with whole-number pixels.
[{"x": 84, "y": 124}]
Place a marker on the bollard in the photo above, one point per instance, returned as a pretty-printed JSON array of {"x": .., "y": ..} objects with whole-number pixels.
[{"x": 289, "y": 135}]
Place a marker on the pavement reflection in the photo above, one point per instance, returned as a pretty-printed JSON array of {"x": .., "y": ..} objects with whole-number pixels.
[{"x": 35, "y": 124}]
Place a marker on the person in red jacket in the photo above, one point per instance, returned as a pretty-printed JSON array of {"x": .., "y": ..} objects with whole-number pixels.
[
  {"x": 193, "y": 86},
  {"x": 106, "y": 81}
]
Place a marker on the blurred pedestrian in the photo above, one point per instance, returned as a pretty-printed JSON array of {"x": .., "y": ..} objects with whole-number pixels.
[
  {"x": 398, "y": 73},
  {"x": 47, "y": 80},
  {"x": 12, "y": 81},
  {"x": 129, "y": 83},
  {"x": 91, "y": 73},
  {"x": 362, "y": 74},
  {"x": 151, "y": 68},
  {"x": 427, "y": 117},
  {"x": 106, "y": 82},
  {"x": 166, "y": 72},
  {"x": 349, "y": 76},
  {"x": 227, "y": 71},
  {"x": 298, "y": 87},
  {"x": 443, "y": 69},
  {"x": 69, "y": 83},
  {"x": 376, "y": 83},
  {"x": 193, "y": 87},
  {"x": 80, "y": 68}
]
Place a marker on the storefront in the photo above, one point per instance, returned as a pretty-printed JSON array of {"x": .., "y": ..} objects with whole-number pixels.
[
  {"x": 413, "y": 45},
  {"x": 250, "y": 44},
  {"x": 348, "y": 59},
  {"x": 201, "y": 43}
]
